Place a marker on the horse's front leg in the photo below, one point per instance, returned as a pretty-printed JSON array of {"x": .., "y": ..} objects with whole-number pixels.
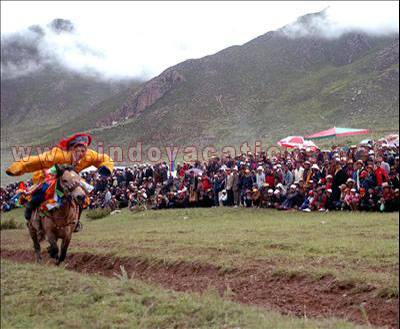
[
  {"x": 36, "y": 244},
  {"x": 64, "y": 248},
  {"x": 52, "y": 249}
]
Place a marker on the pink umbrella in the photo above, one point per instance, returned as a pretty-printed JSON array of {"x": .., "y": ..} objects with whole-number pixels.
[
  {"x": 292, "y": 141},
  {"x": 299, "y": 142},
  {"x": 309, "y": 145}
]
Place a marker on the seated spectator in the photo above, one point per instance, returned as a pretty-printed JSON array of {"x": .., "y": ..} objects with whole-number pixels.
[
  {"x": 351, "y": 199},
  {"x": 248, "y": 199},
  {"x": 278, "y": 199},
  {"x": 386, "y": 202},
  {"x": 256, "y": 196},
  {"x": 308, "y": 201},
  {"x": 223, "y": 199}
]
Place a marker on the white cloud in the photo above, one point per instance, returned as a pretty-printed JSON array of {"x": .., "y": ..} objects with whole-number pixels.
[
  {"x": 370, "y": 17},
  {"x": 141, "y": 39}
]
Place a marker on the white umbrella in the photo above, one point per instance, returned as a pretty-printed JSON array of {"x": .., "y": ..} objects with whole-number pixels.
[
  {"x": 195, "y": 171},
  {"x": 365, "y": 141}
]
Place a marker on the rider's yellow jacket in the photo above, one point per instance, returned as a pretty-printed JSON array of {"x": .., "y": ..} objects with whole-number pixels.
[{"x": 37, "y": 163}]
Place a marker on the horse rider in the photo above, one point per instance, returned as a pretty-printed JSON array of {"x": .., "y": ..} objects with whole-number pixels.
[{"x": 72, "y": 151}]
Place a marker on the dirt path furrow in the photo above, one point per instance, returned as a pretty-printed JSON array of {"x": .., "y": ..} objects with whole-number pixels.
[{"x": 300, "y": 295}]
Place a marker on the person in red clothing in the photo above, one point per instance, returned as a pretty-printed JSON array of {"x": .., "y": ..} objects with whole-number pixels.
[
  {"x": 329, "y": 180},
  {"x": 270, "y": 177},
  {"x": 206, "y": 182},
  {"x": 381, "y": 174},
  {"x": 323, "y": 201},
  {"x": 183, "y": 170}
]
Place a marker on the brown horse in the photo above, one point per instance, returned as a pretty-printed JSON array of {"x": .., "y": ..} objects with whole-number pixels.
[{"x": 59, "y": 223}]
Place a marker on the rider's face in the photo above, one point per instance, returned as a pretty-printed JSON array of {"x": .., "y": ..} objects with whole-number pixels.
[{"x": 79, "y": 152}]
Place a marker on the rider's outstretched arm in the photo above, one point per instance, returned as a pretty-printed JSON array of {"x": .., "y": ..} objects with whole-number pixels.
[
  {"x": 38, "y": 162},
  {"x": 101, "y": 161}
]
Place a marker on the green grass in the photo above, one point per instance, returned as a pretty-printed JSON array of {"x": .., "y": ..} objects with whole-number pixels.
[
  {"x": 359, "y": 247},
  {"x": 34, "y": 296},
  {"x": 98, "y": 213},
  {"x": 10, "y": 224}
]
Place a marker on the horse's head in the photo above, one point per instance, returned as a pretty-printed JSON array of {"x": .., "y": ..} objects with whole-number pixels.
[{"x": 70, "y": 182}]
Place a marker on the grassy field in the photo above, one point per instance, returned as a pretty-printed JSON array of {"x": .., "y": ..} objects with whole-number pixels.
[
  {"x": 33, "y": 298},
  {"x": 351, "y": 248}
]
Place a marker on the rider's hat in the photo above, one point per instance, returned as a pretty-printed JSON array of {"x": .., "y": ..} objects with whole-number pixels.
[{"x": 74, "y": 140}]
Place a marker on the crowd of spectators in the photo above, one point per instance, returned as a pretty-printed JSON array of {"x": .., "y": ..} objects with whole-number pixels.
[
  {"x": 7, "y": 193},
  {"x": 356, "y": 178}
]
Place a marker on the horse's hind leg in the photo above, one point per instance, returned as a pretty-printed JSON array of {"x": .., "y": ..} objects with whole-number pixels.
[
  {"x": 36, "y": 243},
  {"x": 64, "y": 248}
]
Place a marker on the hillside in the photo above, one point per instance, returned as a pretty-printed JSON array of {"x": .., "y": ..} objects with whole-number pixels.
[{"x": 277, "y": 84}]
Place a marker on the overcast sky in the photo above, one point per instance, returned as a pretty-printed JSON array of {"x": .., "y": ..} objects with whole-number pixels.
[{"x": 139, "y": 39}]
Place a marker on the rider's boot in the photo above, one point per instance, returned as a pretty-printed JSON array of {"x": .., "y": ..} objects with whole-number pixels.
[
  {"x": 79, "y": 226},
  {"x": 28, "y": 211}
]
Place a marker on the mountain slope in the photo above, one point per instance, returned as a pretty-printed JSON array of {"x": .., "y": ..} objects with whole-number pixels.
[{"x": 272, "y": 86}]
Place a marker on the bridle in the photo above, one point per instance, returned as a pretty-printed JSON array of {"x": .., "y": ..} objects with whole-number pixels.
[{"x": 68, "y": 187}]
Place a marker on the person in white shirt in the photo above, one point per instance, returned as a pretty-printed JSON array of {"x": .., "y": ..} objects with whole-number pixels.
[
  {"x": 298, "y": 172},
  {"x": 260, "y": 177},
  {"x": 384, "y": 165}
]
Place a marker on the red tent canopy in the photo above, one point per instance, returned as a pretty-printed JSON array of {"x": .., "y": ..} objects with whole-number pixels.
[{"x": 336, "y": 132}]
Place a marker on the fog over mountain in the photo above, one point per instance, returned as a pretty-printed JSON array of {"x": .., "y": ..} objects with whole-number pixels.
[
  {"x": 141, "y": 41},
  {"x": 41, "y": 85},
  {"x": 333, "y": 22},
  {"x": 56, "y": 43}
]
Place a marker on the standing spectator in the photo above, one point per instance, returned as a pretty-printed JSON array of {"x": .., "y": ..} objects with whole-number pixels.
[
  {"x": 229, "y": 180},
  {"x": 381, "y": 174},
  {"x": 287, "y": 176},
  {"x": 298, "y": 172},
  {"x": 260, "y": 177},
  {"x": 339, "y": 179}
]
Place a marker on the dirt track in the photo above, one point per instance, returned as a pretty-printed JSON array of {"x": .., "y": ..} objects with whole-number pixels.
[{"x": 296, "y": 295}]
